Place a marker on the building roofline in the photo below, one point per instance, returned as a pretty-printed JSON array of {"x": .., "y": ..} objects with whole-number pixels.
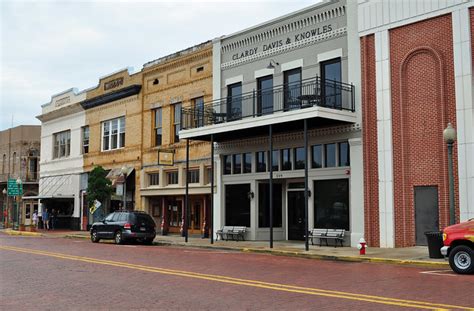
[{"x": 183, "y": 52}]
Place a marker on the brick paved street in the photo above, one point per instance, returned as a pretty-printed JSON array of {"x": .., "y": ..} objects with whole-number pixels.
[{"x": 61, "y": 274}]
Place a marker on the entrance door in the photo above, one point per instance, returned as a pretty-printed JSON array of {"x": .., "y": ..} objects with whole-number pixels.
[
  {"x": 295, "y": 215},
  {"x": 28, "y": 214},
  {"x": 196, "y": 217},
  {"x": 426, "y": 212}
]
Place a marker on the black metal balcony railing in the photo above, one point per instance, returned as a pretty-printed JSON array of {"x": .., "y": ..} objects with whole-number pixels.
[{"x": 286, "y": 97}]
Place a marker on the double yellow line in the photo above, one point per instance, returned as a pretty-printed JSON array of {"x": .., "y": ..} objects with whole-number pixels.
[{"x": 245, "y": 282}]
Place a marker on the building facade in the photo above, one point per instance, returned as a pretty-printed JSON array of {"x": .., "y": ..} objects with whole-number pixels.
[
  {"x": 63, "y": 141},
  {"x": 270, "y": 82},
  {"x": 113, "y": 118},
  {"x": 180, "y": 80},
  {"x": 20, "y": 156},
  {"x": 416, "y": 78}
]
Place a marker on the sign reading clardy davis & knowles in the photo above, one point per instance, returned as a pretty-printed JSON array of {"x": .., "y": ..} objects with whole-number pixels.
[{"x": 279, "y": 43}]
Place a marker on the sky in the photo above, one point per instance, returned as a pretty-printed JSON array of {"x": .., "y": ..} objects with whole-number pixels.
[{"x": 47, "y": 47}]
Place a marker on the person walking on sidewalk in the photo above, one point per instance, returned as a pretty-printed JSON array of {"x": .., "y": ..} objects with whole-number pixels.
[
  {"x": 35, "y": 219},
  {"x": 45, "y": 219}
]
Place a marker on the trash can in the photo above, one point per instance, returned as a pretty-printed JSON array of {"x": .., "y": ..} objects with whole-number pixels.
[{"x": 435, "y": 242}]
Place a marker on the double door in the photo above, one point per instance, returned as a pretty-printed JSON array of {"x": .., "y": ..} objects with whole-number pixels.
[
  {"x": 296, "y": 216},
  {"x": 176, "y": 215}
]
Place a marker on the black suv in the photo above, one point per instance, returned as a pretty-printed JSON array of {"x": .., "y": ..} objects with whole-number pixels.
[{"x": 125, "y": 225}]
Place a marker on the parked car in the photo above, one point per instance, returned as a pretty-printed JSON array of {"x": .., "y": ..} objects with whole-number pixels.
[
  {"x": 458, "y": 246},
  {"x": 125, "y": 226}
]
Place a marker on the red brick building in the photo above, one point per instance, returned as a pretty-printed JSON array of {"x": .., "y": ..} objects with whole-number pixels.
[{"x": 416, "y": 72}]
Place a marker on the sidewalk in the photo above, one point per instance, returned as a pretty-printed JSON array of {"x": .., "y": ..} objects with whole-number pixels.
[{"x": 417, "y": 255}]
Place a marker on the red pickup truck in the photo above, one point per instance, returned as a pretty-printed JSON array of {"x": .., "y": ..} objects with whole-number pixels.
[{"x": 458, "y": 246}]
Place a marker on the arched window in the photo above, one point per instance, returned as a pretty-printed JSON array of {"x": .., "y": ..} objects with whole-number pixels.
[
  {"x": 13, "y": 163},
  {"x": 4, "y": 159}
]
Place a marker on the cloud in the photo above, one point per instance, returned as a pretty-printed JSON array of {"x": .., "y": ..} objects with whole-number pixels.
[{"x": 51, "y": 46}]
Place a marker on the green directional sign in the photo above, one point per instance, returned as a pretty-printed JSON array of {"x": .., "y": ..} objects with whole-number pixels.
[{"x": 13, "y": 188}]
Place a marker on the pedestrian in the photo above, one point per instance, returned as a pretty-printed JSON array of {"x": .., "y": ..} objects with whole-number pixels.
[
  {"x": 35, "y": 218},
  {"x": 52, "y": 219},
  {"x": 45, "y": 220}
]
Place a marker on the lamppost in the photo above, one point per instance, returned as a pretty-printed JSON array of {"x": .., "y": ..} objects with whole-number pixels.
[
  {"x": 18, "y": 184},
  {"x": 124, "y": 171},
  {"x": 4, "y": 208},
  {"x": 449, "y": 135}
]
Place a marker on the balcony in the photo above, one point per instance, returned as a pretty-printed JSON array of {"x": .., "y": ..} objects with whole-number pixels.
[{"x": 328, "y": 101}]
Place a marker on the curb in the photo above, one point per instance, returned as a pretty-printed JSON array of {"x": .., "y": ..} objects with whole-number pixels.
[
  {"x": 23, "y": 233},
  {"x": 411, "y": 262}
]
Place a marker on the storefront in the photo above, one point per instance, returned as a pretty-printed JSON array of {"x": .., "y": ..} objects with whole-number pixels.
[{"x": 285, "y": 124}]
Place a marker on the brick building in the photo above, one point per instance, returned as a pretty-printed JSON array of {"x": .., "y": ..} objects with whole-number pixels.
[
  {"x": 113, "y": 118},
  {"x": 19, "y": 156},
  {"x": 182, "y": 80},
  {"x": 416, "y": 78}
]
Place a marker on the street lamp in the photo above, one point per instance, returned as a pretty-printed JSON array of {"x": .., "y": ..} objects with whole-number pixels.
[
  {"x": 124, "y": 171},
  {"x": 18, "y": 183},
  {"x": 449, "y": 135}
]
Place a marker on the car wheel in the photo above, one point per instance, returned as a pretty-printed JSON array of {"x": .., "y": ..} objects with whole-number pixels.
[
  {"x": 461, "y": 259},
  {"x": 118, "y": 237},
  {"x": 94, "y": 237}
]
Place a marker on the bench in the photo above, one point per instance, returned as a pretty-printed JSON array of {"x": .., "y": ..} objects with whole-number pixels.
[
  {"x": 231, "y": 232},
  {"x": 327, "y": 234}
]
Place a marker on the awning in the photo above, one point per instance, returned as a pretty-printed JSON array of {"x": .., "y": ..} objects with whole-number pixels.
[
  {"x": 40, "y": 197},
  {"x": 116, "y": 177}
]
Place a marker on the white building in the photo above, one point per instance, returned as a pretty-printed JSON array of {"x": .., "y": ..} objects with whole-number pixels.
[{"x": 64, "y": 137}]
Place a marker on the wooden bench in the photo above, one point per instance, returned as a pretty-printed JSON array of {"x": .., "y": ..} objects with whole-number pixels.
[
  {"x": 231, "y": 232},
  {"x": 327, "y": 234}
]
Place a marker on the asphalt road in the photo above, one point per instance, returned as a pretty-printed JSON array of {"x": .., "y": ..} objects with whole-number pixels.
[{"x": 38, "y": 273}]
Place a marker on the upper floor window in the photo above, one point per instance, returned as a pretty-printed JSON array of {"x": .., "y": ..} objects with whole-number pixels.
[
  {"x": 113, "y": 134},
  {"x": 154, "y": 179},
  {"x": 4, "y": 159},
  {"x": 234, "y": 101},
  {"x": 285, "y": 160},
  {"x": 158, "y": 127},
  {"x": 261, "y": 161},
  {"x": 292, "y": 89},
  {"x": 193, "y": 176},
  {"x": 344, "y": 158},
  {"x": 330, "y": 78},
  {"x": 62, "y": 144},
  {"x": 13, "y": 162},
  {"x": 299, "y": 158},
  {"x": 172, "y": 177},
  {"x": 85, "y": 139},
  {"x": 177, "y": 121},
  {"x": 199, "y": 111}
]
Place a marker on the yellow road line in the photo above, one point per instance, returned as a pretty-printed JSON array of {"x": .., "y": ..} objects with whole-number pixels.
[{"x": 246, "y": 282}]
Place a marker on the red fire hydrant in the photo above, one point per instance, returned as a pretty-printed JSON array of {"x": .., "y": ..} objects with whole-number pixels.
[{"x": 362, "y": 246}]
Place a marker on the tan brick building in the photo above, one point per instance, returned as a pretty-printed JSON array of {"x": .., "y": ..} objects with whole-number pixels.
[
  {"x": 180, "y": 80},
  {"x": 114, "y": 127}
]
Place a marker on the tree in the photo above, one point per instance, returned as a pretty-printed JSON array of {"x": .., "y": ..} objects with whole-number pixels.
[{"x": 99, "y": 186}]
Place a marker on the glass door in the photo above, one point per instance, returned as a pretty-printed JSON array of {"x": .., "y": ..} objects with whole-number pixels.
[
  {"x": 234, "y": 101},
  {"x": 265, "y": 95},
  {"x": 296, "y": 217},
  {"x": 292, "y": 89}
]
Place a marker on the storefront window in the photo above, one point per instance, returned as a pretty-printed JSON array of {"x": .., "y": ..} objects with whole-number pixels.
[
  {"x": 275, "y": 160},
  {"x": 299, "y": 158},
  {"x": 344, "y": 159},
  {"x": 316, "y": 156},
  {"x": 247, "y": 163},
  {"x": 264, "y": 205},
  {"x": 237, "y": 205},
  {"x": 330, "y": 155},
  {"x": 237, "y": 164},
  {"x": 227, "y": 164},
  {"x": 261, "y": 161},
  {"x": 285, "y": 160},
  {"x": 331, "y": 204}
]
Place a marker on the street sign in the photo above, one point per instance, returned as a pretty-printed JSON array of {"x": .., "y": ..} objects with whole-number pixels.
[
  {"x": 95, "y": 206},
  {"x": 13, "y": 188}
]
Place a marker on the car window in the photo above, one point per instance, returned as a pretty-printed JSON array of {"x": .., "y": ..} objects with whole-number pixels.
[
  {"x": 116, "y": 217},
  {"x": 144, "y": 218},
  {"x": 123, "y": 217},
  {"x": 109, "y": 217}
]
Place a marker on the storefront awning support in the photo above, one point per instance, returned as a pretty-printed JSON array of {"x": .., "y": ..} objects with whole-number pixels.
[
  {"x": 186, "y": 198},
  {"x": 211, "y": 216},
  {"x": 270, "y": 138},
  {"x": 306, "y": 216}
]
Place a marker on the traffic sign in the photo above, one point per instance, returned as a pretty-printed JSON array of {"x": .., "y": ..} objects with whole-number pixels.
[{"x": 14, "y": 189}]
